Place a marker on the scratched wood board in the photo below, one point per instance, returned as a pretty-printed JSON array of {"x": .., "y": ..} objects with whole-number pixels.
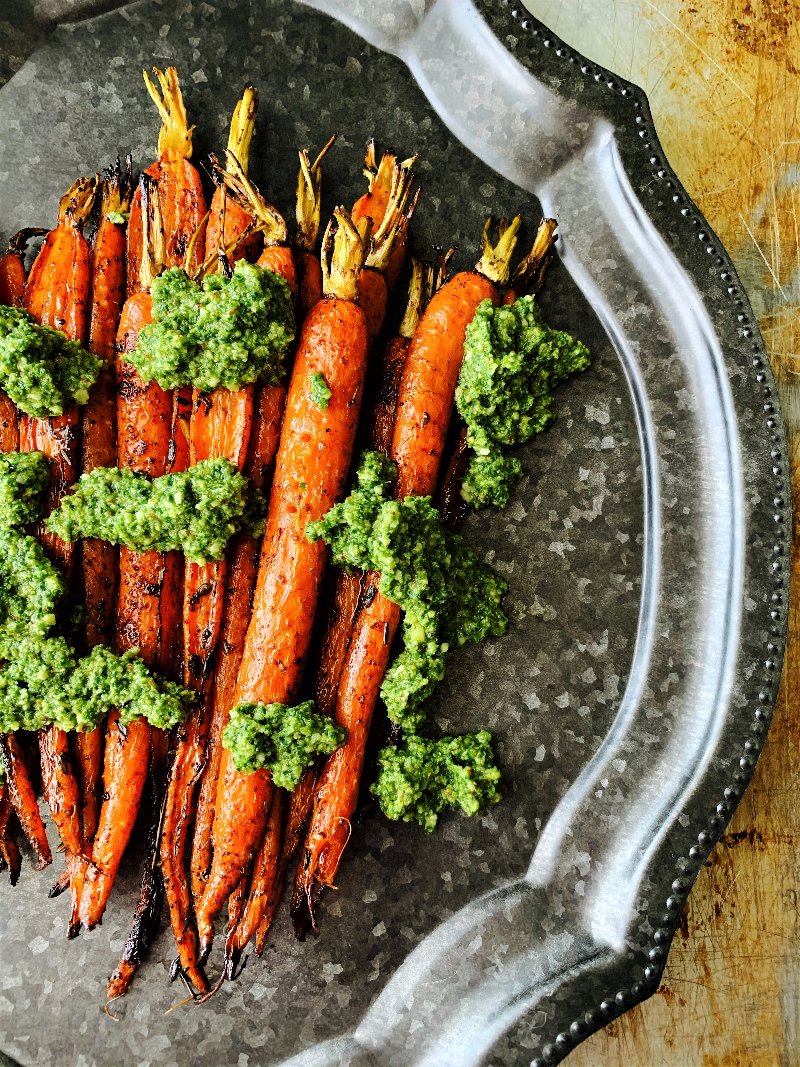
[{"x": 723, "y": 79}]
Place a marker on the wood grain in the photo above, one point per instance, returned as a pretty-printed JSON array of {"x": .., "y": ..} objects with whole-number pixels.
[{"x": 722, "y": 78}]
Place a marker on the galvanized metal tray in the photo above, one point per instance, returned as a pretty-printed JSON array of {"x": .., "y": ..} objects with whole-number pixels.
[{"x": 645, "y": 548}]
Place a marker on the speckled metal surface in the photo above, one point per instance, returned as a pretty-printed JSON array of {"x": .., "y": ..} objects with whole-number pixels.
[{"x": 644, "y": 550}]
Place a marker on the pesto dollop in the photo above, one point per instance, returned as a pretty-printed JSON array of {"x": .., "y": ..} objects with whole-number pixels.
[
  {"x": 512, "y": 362},
  {"x": 220, "y": 333},
  {"x": 40, "y": 369},
  {"x": 196, "y": 511},
  {"x": 448, "y": 596},
  {"x": 418, "y": 779},
  {"x": 319, "y": 390},
  {"x": 284, "y": 739},
  {"x": 43, "y": 681},
  {"x": 24, "y": 477}
]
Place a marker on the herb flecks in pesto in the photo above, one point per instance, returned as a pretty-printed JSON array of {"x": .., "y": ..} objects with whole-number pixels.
[
  {"x": 286, "y": 740},
  {"x": 220, "y": 333},
  {"x": 42, "y": 679},
  {"x": 448, "y": 596},
  {"x": 24, "y": 477},
  {"x": 420, "y": 778},
  {"x": 40, "y": 369},
  {"x": 196, "y": 511},
  {"x": 512, "y": 362},
  {"x": 319, "y": 391}
]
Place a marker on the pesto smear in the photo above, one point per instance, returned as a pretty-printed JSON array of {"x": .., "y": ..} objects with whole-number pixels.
[
  {"x": 40, "y": 369},
  {"x": 284, "y": 739},
  {"x": 448, "y": 596},
  {"x": 512, "y": 362},
  {"x": 218, "y": 333},
  {"x": 418, "y": 779},
  {"x": 196, "y": 511},
  {"x": 43, "y": 680}
]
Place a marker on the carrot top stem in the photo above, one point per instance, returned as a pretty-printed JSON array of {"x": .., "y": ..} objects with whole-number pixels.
[
  {"x": 153, "y": 242},
  {"x": 395, "y": 220},
  {"x": 246, "y": 194},
  {"x": 344, "y": 250},
  {"x": 18, "y": 244},
  {"x": 116, "y": 184},
  {"x": 309, "y": 198},
  {"x": 192, "y": 244},
  {"x": 381, "y": 175},
  {"x": 175, "y": 135},
  {"x": 419, "y": 292},
  {"x": 495, "y": 261},
  {"x": 529, "y": 271},
  {"x": 242, "y": 125},
  {"x": 76, "y": 204}
]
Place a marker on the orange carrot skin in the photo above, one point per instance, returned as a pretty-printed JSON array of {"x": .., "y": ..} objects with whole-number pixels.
[
  {"x": 23, "y": 799},
  {"x": 373, "y": 297},
  {"x": 240, "y": 586},
  {"x": 310, "y": 472},
  {"x": 373, "y": 205},
  {"x": 429, "y": 380},
  {"x": 226, "y": 222},
  {"x": 12, "y": 279},
  {"x": 279, "y": 259},
  {"x": 183, "y": 205},
  {"x": 265, "y": 870},
  {"x": 144, "y": 415},
  {"x": 309, "y": 273},
  {"x": 9, "y": 852},
  {"x": 425, "y": 398},
  {"x": 99, "y": 559}
]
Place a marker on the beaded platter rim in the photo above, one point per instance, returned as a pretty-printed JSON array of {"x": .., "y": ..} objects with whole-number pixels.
[{"x": 561, "y": 1037}]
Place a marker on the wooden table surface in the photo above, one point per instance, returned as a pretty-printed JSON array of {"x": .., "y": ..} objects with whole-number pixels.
[{"x": 723, "y": 78}]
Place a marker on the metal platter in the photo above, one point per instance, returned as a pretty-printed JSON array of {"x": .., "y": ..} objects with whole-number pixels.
[{"x": 645, "y": 547}]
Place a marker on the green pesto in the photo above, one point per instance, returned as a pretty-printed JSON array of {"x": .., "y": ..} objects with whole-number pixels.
[
  {"x": 219, "y": 333},
  {"x": 418, "y": 779},
  {"x": 118, "y": 217},
  {"x": 286, "y": 740},
  {"x": 24, "y": 477},
  {"x": 319, "y": 391},
  {"x": 40, "y": 369},
  {"x": 448, "y": 596},
  {"x": 44, "y": 682},
  {"x": 196, "y": 511},
  {"x": 512, "y": 362}
]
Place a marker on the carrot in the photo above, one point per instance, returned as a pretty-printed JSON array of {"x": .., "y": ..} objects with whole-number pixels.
[
  {"x": 528, "y": 277},
  {"x": 21, "y": 793},
  {"x": 307, "y": 213},
  {"x": 228, "y": 220},
  {"x": 219, "y": 427},
  {"x": 12, "y": 266},
  {"x": 239, "y": 589},
  {"x": 180, "y": 189},
  {"x": 98, "y": 559},
  {"x": 56, "y": 295},
  {"x": 373, "y": 204},
  {"x": 265, "y": 878},
  {"x": 146, "y": 594},
  {"x": 424, "y": 405},
  {"x": 311, "y": 468},
  {"x": 9, "y": 852}
]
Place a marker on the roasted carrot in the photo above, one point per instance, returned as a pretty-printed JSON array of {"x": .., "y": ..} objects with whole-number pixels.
[
  {"x": 424, "y": 405},
  {"x": 265, "y": 876},
  {"x": 239, "y": 589},
  {"x": 373, "y": 204},
  {"x": 311, "y": 468},
  {"x": 227, "y": 219},
  {"x": 12, "y": 266},
  {"x": 21, "y": 793},
  {"x": 144, "y": 421},
  {"x": 57, "y": 295},
  {"x": 528, "y": 276},
  {"x": 219, "y": 427},
  {"x": 9, "y": 852},
  {"x": 180, "y": 189},
  {"x": 307, "y": 213},
  {"x": 98, "y": 559}
]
